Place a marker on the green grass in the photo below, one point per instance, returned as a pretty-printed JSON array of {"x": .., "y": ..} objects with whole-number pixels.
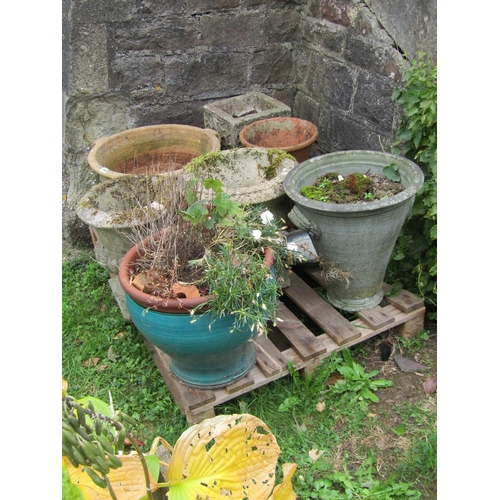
[
  {"x": 93, "y": 327},
  {"x": 345, "y": 432}
]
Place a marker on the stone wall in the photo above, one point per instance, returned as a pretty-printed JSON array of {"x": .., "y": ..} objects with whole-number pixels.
[{"x": 129, "y": 63}]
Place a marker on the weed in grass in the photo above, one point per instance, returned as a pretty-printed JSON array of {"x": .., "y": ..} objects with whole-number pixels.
[
  {"x": 415, "y": 343},
  {"x": 360, "y": 484},
  {"x": 420, "y": 457}
]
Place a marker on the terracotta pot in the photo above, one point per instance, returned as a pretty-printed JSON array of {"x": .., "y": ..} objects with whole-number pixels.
[
  {"x": 203, "y": 353},
  {"x": 293, "y": 135},
  {"x": 153, "y": 149}
]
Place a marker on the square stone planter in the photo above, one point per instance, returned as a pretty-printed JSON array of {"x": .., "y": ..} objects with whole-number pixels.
[{"x": 229, "y": 116}]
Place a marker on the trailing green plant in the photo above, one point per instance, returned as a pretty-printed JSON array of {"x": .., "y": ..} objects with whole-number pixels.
[
  {"x": 225, "y": 258},
  {"x": 414, "y": 259}
]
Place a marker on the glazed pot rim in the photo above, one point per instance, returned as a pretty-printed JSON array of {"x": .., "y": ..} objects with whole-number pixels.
[
  {"x": 293, "y": 191},
  {"x": 295, "y": 120},
  {"x": 157, "y": 303}
]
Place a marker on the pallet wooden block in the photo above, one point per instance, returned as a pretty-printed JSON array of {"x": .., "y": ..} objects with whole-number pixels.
[{"x": 303, "y": 348}]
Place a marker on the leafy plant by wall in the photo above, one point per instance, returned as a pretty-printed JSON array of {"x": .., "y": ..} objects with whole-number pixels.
[{"x": 414, "y": 259}]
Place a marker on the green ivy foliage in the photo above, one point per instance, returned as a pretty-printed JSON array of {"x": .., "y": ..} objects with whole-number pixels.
[{"x": 414, "y": 260}]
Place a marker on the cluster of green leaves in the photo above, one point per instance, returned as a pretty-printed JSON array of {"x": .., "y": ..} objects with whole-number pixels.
[
  {"x": 356, "y": 384},
  {"x": 414, "y": 259},
  {"x": 233, "y": 264},
  {"x": 220, "y": 212}
]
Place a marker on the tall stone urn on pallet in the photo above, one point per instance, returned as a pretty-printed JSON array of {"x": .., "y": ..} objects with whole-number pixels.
[{"x": 356, "y": 238}]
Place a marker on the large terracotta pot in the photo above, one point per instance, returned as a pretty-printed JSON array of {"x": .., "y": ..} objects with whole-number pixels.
[
  {"x": 153, "y": 149},
  {"x": 293, "y": 135},
  {"x": 203, "y": 353},
  {"x": 357, "y": 238}
]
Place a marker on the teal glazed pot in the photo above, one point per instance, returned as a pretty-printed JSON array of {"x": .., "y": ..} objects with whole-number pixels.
[
  {"x": 203, "y": 353},
  {"x": 356, "y": 238}
]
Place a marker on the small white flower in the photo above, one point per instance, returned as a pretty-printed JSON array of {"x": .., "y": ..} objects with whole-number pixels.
[
  {"x": 156, "y": 206},
  {"x": 266, "y": 217},
  {"x": 256, "y": 234},
  {"x": 340, "y": 178},
  {"x": 293, "y": 247},
  {"x": 264, "y": 307}
]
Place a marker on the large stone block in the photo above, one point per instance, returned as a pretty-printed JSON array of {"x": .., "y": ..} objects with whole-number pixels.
[
  {"x": 89, "y": 60},
  {"x": 329, "y": 37},
  {"x": 157, "y": 34},
  {"x": 340, "y": 133},
  {"x": 99, "y": 11},
  {"x": 283, "y": 26},
  {"x": 229, "y": 116},
  {"x": 241, "y": 30},
  {"x": 330, "y": 81},
  {"x": 205, "y": 75},
  {"x": 272, "y": 66},
  {"x": 137, "y": 69},
  {"x": 412, "y": 25},
  {"x": 372, "y": 100}
]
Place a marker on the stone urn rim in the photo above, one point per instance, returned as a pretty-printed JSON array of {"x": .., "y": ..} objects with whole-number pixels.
[
  {"x": 258, "y": 192},
  {"x": 352, "y": 157},
  {"x": 89, "y": 212}
]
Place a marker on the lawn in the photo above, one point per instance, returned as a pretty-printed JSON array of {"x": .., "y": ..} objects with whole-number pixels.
[{"x": 345, "y": 445}]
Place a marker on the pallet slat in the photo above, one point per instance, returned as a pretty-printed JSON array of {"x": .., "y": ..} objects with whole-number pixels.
[
  {"x": 323, "y": 313},
  {"x": 269, "y": 358},
  {"x": 376, "y": 317},
  {"x": 404, "y": 300},
  {"x": 302, "y": 340},
  {"x": 305, "y": 350}
]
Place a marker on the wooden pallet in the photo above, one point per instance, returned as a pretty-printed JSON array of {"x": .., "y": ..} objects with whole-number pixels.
[{"x": 292, "y": 341}]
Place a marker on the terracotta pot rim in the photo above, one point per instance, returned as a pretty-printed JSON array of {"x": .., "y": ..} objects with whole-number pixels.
[
  {"x": 295, "y": 120},
  {"x": 125, "y": 136},
  {"x": 146, "y": 300}
]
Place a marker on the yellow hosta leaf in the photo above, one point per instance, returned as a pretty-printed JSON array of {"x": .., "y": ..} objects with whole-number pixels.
[
  {"x": 229, "y": 456},
  {"x": 284, "y": 491},
  {"x": 127, "y": 481}
]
